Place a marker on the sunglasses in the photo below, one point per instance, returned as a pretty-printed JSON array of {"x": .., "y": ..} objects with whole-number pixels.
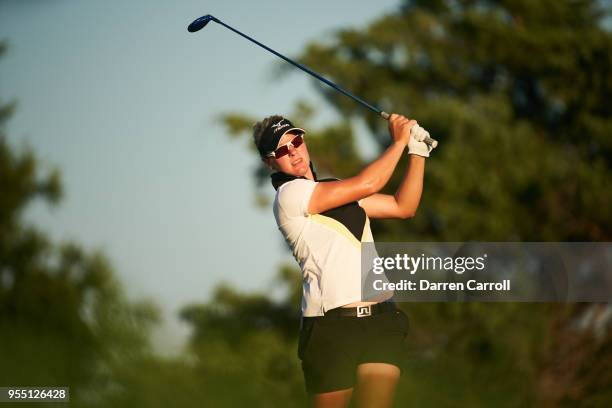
[{"x": 284, "y": 149}]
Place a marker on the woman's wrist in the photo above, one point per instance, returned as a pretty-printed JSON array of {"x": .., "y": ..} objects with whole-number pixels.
[
  {"x": 399, "y": 144},
  {"x": 416, "y": 157}
]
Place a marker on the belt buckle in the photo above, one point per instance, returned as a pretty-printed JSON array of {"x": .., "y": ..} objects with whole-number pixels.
[{"x": 363, "y": 311}]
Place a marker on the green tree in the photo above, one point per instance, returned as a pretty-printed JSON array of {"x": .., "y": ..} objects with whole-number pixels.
[
  {"x": 245, "y": 346},
  {"x": 64, "y": 318}
]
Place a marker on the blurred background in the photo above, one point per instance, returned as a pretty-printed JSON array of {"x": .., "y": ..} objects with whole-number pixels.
[{"x": 140, "y": 263}]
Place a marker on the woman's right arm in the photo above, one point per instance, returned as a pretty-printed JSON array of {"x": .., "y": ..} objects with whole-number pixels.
[{"x": 371, "y": 179}]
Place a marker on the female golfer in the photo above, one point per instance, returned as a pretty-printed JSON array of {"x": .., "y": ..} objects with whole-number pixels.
[{"x": 344, "y": 342}]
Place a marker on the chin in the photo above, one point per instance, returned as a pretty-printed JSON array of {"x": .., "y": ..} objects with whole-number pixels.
[
  {"x": 301, "y": 171},
  {"x": 297, "y": 171}
]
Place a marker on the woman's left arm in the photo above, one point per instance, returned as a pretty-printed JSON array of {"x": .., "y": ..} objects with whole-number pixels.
[{"x": 407, "y": 197}]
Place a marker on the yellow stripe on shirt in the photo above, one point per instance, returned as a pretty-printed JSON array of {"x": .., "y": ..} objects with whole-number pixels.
[{"x": 338, "y": 227}]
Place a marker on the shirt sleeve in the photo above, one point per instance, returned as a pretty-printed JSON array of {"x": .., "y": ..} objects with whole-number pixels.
[{"x": 294, "y": 197}]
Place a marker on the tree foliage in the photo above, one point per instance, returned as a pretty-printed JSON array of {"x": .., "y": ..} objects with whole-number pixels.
[
  {"x": 249, "y": 339},
  {"x": 64, "y": 318}
]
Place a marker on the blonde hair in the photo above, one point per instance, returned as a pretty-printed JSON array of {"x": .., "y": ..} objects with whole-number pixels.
[{"x": 260, "y": 127}]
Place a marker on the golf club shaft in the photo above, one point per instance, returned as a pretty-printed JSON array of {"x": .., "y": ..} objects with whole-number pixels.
[
  {"x": 383, "y": 114},
  {"x": 304, "y": 68}
]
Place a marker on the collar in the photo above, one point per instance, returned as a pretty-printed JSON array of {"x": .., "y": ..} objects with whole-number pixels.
[{"x": 279, "y": 178}]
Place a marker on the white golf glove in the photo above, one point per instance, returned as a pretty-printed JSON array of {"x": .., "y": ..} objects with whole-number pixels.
[{"x": 416, "y": 145}]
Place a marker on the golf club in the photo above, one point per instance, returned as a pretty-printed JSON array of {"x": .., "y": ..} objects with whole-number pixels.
[{"x": 201, "y": 22}]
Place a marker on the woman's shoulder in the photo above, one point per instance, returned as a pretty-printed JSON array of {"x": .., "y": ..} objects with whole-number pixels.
[
  {"x": 293, "y": 197},
  {"x": 295, "y": 186},
  {"x": 329, "y": 179}
]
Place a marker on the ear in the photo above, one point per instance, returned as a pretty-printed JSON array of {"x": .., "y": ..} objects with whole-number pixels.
[{"x": 269, "y": 162}]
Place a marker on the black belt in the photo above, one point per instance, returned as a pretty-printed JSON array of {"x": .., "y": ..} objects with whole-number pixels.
[{"x": 362, "y": 311}]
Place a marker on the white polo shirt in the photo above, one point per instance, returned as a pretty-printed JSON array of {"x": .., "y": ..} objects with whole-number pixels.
[{"x": 327, "y": 246}]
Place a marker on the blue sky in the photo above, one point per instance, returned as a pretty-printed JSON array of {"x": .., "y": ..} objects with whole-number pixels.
[{"x": 122, "y": 99}]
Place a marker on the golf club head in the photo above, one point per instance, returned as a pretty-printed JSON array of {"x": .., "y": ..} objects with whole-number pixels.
[{"x": 199, "y": 23}]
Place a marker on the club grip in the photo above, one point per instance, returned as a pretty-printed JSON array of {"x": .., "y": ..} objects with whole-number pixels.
[{"x": 432, "y": 142}]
